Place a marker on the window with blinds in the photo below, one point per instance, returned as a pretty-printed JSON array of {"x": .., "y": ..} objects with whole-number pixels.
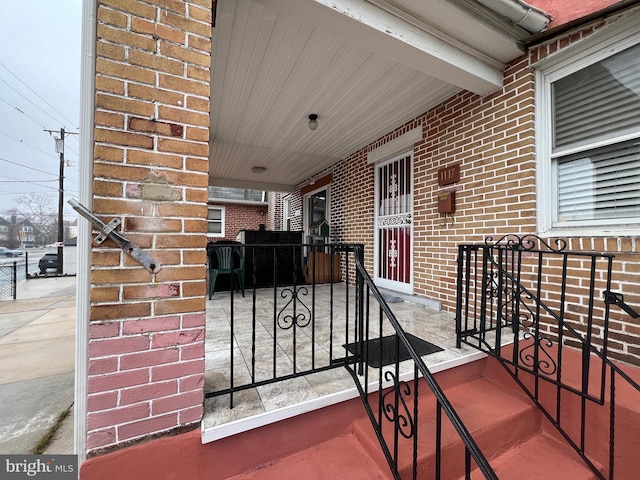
[
  {"x": 215, "y": 222},
  {"x": 596, "y": 140}
]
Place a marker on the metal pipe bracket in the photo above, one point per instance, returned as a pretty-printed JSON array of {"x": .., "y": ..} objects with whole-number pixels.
[{"x": 109, "y": 231}]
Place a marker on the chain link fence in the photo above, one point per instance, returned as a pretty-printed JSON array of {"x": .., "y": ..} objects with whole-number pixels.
[{"x": 9, "y": 280}]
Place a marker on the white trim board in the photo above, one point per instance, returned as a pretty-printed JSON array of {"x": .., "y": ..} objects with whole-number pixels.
[{"x": 396, "y": 146}]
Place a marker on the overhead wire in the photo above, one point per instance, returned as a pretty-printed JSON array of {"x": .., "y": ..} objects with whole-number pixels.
[
  {"x": 26, "y": 166},
  {"x": 35, "y": 93},
  {"x": 28, "y": 145},
  {"x": 28, "y": 100},
  {"x": 32, "y": 182},
  {"x": 67, "y": 192},
  {"x": 19, "y": 110}
]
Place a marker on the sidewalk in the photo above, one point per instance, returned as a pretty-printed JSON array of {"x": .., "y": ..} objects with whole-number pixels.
[{"x": 37, "y": 363}]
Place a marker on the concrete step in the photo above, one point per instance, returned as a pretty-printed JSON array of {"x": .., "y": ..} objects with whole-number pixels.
[{"x": 341, "y": 458}]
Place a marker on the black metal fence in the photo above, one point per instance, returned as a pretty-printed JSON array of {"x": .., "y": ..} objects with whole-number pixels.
[
  {"x": 269, "y": 325},
  {"x": 544, "y": 313}
]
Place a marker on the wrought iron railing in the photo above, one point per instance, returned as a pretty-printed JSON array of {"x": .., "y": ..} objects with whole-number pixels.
[
  {"x": 393, "y": 396},
  {"x": 283, "y": 328},
  {"x": 280, "y": 328},
  {"x": 538, "y": 309}
]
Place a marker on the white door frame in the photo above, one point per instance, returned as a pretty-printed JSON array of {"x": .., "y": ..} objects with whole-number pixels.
[{"x": 305, "y": 207}]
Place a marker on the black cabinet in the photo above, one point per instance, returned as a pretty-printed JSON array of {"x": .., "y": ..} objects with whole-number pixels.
[{"x": 272, "y": 257}]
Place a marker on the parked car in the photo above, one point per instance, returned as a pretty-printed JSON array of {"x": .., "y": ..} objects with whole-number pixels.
[
  {"x": 49, "y": 260},
  {"x": 7, "y": 252}
]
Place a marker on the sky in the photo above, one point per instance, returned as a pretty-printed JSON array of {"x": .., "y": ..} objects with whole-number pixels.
[{"x": 40, "y": 57}]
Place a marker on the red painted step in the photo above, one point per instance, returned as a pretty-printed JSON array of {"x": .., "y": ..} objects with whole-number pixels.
[
  {"x": 542, "y": 456},
  {"x": 500, "y": 418},
  {"x": 495, "y": 417},
  {"x": 342, "y": 458}
]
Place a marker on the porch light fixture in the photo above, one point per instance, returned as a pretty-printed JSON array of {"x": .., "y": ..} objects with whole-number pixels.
[
  {"x": 258, "y": 169},
  {"x": 313, "y": 121}
]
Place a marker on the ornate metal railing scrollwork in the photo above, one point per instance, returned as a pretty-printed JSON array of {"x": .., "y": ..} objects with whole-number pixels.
[
  {"x": 394, "y": 406},
  {"x": 527, "y": 242},
  {"x": 299, "y": 319},
  {"x": 492, "y": 290},
  {"x": 547, "y": 365},
  {"x": 277, "y": 324},
  {"x": 394, "y": 400},
  {"x": 558, "y": 348}
]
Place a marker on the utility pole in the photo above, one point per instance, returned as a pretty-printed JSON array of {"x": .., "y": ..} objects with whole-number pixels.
[{"x": 60, "y": 150}]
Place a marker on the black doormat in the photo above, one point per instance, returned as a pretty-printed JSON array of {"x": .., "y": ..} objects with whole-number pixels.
[{"x": 379, "y": 357}]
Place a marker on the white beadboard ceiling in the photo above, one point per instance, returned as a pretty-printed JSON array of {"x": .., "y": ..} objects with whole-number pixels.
[{"x": 364, "y": 67}]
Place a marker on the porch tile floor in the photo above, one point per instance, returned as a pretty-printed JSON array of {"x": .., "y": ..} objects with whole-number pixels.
[{"x": 316, "y": 340}]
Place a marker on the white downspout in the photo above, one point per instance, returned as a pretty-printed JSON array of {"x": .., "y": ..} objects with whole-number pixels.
[
  {"x": 530, "y": 18},
  {"x": 85, "y": 195}
]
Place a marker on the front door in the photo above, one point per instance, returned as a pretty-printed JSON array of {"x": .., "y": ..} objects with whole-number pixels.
[{"x": 393, "y": 224}]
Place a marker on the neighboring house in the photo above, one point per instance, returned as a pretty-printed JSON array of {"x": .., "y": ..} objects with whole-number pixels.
[
  {"x": 514, "y": 127},
  {"x": 26, "y": 232},
  {"x": 18, "y": 231},
  {"x": 232, "y": 210}
]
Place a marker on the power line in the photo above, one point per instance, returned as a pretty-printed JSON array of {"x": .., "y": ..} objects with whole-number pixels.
[
  {"x": 26, "y": 166},
  {"x": 22, "y": 112},
  {"x": 26, "y": 144},
  {"x": 35, "y": 93},
  {"x": 28, "y": 100},
  {"x": 14, "y": 193},
  {"x": 33, "y": 182},
  {"x": 72, "y": 150}
]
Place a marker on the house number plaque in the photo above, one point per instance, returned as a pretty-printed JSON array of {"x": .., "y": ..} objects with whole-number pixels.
[{"x": 449, "y": 175}]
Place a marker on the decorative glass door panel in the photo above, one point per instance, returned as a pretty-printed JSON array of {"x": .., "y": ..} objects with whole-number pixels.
[{"x": 394, "y": 233}]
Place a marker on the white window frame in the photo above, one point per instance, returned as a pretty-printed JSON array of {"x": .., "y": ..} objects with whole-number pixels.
[
  {"x": 286, "y": 212},
  {"x": 222, "y": 221},
  {"x": 594, "y": 49}
]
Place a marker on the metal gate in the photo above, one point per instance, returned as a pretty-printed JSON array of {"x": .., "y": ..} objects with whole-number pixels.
[{"x": 393, "y": 225}]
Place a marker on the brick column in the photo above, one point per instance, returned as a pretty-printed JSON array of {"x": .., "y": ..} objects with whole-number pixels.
[{"x": 146, "y": 334}]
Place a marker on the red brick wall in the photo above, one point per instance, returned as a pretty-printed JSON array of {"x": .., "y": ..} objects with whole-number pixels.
[
  {"x": 241, "y": 217},
  {"x": 493, "y": 139},
  {"x": 146, "y": 332}
]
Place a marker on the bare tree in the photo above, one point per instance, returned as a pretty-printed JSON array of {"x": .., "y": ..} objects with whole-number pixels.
[{"x": 41, "y": 210}]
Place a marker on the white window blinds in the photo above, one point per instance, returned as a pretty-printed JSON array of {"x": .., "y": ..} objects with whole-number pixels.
[
  {"x": 215, "y": 217},
  {"x": 601, "y": 184},
  {"x": 599, "y": 102},
  {"x": 598, "y": 105}
]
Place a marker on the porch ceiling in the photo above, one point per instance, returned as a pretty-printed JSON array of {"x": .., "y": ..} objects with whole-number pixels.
[{"x": 364, "y": 67}]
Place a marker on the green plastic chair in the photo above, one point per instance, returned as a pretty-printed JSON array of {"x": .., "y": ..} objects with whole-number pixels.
[{"x": 225, "y": 260}]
